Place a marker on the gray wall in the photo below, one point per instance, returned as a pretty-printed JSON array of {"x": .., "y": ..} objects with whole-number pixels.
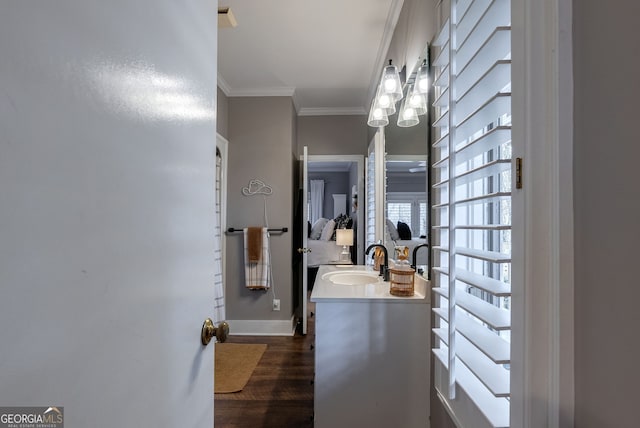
[
  {"x": 415, "y": 28},
  {"x": 406, "y": 182},
  {"x": 607, "y": 212},
  {"x": 222, "y": 121},
  {"x": 406, "y": 141},
  {"x": 334, "y": 182},
  {"x": 261, "y": 143},
  {"x": 333, "y": 135}
]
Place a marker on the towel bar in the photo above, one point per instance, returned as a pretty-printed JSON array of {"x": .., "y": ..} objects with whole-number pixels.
[{"x": 280, "y": 229}]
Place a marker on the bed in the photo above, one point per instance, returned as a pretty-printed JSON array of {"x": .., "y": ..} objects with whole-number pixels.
[
  {"x": 393, "y": 239},
  {"x": 423, "y": 254},
  {"x": 322, "y": 252},
  {"x": 321, "y": 240}
]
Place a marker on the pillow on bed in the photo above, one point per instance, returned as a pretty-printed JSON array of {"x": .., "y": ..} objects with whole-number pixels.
[
  {"x": 327, "y": 232},
  {"x": 316, "y": 229},
  {"x": 393, "y": 232},
  {"x": 404, "y": 231}
]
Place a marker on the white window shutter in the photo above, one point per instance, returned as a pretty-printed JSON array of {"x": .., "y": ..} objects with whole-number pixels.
[{"x": 472, "y": 204}]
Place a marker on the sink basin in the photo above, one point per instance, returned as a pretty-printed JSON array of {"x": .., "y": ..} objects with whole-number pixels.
[{"x": 353, "y": 277}]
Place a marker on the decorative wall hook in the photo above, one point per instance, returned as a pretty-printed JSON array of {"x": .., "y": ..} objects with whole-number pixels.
[{"x": 257, "y": 187}]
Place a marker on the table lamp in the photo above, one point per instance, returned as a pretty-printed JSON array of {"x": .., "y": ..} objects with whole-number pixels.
[{"x": 344, "y": 237}]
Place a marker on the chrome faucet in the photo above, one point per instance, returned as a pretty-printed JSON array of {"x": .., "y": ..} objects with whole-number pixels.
[
  {"x": 384, "y": 269},
  {"x": 415, "y": 252}
]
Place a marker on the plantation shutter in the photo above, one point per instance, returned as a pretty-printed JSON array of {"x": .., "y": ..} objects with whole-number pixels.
[{"x": 472, "y": 205}]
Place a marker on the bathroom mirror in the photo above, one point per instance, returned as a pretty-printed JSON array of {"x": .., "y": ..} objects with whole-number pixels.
[
  {"x": 406, "y": 194},
  {"x": 407, "y": 205}
]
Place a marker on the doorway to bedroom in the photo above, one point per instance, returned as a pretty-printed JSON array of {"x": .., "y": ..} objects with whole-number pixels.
[
  {"x": 338, "y": 183},
  {"x": 334, "y": 185}
]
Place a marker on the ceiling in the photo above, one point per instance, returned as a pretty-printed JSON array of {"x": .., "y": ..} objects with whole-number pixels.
[
  {"x": 392, "y": 166},
  {"x": 326, "y": 54},
  {"x": 338, "y": 166}
]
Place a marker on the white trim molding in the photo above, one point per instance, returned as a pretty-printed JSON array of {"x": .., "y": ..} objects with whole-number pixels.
[
  {"x": 222, "y": 144},
  {"x": 223, "y": 85},
  {"x": 262, "y": 327},
  {"x": 332, "y": 111},
  {"x": 543, "y": 355},
  {"x": 277, "y": 91}
]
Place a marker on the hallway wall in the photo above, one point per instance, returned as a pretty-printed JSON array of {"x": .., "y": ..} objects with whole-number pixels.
[
  {"x": 333, "y": 135},
  {"x": 261, "y": 143}
]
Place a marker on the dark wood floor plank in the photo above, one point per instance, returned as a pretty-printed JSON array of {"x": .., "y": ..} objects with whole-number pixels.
[{"x": 279, "y": 393}]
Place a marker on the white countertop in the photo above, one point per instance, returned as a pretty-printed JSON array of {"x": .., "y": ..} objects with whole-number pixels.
[{"x": 326, "y": 291}]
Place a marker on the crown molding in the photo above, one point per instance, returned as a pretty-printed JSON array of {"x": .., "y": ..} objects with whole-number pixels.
[
  {"x": 278, "y": 91},
  {"x": 223, "y": 85},
  {"x": 296, "y": 103},
  {"x": 389, "y": 28},
  {"x": 331, "y": 111},
  {"x": 286, "y": 91}
]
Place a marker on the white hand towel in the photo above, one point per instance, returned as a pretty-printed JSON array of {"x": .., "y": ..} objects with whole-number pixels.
[{"x": 257, "y": 275}]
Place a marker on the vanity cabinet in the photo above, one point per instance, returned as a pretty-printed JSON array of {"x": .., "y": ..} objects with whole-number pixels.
[{"x": 371, "y": 357}]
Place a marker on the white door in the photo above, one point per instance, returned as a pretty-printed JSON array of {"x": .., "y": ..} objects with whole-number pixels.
[
  {"x": 107, "y": 148},
  {"x": 305, "y": 239}
]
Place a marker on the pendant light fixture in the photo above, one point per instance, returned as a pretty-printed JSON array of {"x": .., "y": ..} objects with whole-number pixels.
[
  {"x": 377, "y": 118},
  {"x": 385, "y": 101},
  {"x": 407, "y": 115},
  {"x": 390, "y": 82},
  {"x": 417, "y": 100},
  {"x": 422, "y": 79},
  {"x": 377, "y": 115},
  {"x": 390, "y": 91}
]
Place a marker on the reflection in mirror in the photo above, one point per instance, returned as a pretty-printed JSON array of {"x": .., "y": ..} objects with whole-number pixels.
[
  {"x": 407, "y": 204},
  {"x": 375, "y": 189},
  {"x": 407, "y": 210},
  {"x": 334, "y": 183}
]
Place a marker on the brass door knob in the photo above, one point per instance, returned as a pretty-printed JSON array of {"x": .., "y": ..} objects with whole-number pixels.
[
  {"x": 304, "y": 250},
  {"x": 209, "y": 331}
]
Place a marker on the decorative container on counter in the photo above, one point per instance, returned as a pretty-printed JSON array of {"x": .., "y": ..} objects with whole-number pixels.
[{"x": 401, "y": 276}]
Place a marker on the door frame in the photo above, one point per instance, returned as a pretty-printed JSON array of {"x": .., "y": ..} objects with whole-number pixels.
[
  {"x": 222, "y": 144},
  {"x": 543, "y": 264}
]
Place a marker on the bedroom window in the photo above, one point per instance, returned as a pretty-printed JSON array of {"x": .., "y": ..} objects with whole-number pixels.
[
  {"x": 409, "y": 208},
  {"x": 472, "y": 211}
]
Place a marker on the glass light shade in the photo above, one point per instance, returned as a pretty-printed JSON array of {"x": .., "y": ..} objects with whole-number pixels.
[
  {"x": 417, "y": 101},
  {"x": 344, "y": 237},
  {"x": 390, "y": 82},
  {"x": 422, "y": 79},
  {"x": 385, "y": 102},
  {"x": 377, "y": 116},
  {"x": 407, "y": 115}
]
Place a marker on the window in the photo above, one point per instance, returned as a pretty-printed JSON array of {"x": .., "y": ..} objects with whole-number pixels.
[
  {"x": 472, "y": 211},
  {"x": 409, "y": 208}
]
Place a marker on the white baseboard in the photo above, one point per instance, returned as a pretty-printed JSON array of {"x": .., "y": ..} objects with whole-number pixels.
[{"x": 262, "y": 327}]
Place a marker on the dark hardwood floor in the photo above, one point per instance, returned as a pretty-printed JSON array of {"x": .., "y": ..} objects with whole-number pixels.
[{"x": 280, "y": 391}]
